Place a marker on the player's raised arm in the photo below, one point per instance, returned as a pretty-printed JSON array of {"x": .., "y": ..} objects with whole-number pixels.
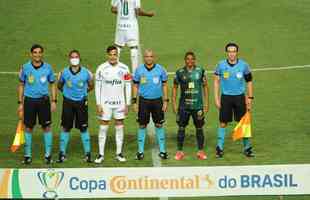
[
  {"x": 141, "y": 12},
  {"x": 114, "y": 4},
  {"x": 114, "y": 10}
]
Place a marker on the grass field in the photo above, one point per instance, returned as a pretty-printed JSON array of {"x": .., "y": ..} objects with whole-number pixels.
[{"x": 270, "y": 33}]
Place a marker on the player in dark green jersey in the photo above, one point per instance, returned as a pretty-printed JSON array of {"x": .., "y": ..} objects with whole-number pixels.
[{"x": 193, "y": 102}]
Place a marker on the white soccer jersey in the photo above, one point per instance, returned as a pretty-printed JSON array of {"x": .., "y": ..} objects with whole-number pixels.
[
  {"x": 113, "y": 83},
  {"x": 126, "y": 14}
]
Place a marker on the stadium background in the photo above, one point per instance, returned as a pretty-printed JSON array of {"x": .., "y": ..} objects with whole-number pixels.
[{"x": 270, "y": 33}]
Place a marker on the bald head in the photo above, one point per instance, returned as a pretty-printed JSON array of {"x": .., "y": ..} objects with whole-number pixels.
[{"x": 149, "y": 57}]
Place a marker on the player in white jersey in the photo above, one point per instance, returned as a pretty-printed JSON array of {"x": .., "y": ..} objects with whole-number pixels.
[
  {"x": 113, "y": 96},
  {"x": 127, "y": 29}
]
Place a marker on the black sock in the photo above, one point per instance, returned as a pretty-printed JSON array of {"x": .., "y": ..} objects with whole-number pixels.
[
  {"x": 200, "y": 138},
  {"x": 180, "y": 138}
]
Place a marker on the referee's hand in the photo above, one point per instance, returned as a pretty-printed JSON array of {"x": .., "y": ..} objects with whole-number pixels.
[
  {"x": 174, "y": 108},
  {"x": 165, "y": 106},
  {"x": 248, "y": 104},
  {"x": 218, "y": 103},
  {"x": 20, "y": 111}
]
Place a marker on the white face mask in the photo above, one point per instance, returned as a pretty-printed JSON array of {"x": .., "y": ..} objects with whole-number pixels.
[{"x": 74, "y": 61}]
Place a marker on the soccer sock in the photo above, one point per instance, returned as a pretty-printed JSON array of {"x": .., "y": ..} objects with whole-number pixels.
[
  {"x": 28, "y": 144},
  {"x": 200, "y": 138},
  {"x": 86, "y": 141},
  {"x": 48, "y": 141},
  {"x": 221, "y": 137},
  {"x": 134, "y": 58},
  {"x": 160, "y": 134},
  {"x": 102, "y": 136},
  {"x": 180, "y": 138},
  {"x": 246, "y": 143},
  {"x": 119, "y": 138},
  {"x": 63, "y": 143},
  {"x": 141, "y": 139}
]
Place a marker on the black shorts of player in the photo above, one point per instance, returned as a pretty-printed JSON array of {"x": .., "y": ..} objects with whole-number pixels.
[
  {"x": 232, "y": 105},
  {"x": 183, "y": 117},
  {"x": 148, "y": 107},
  {"x": 37, "y": 107},
  {"x": 74, "y": 112}
]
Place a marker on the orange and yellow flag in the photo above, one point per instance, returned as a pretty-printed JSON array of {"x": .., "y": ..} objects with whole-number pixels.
[
  {"x": 19, "y": 138},
  {"x": 243, "y": 128}
]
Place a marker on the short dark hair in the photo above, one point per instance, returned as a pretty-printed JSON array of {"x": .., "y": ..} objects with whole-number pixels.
[
  {"x": 231, "y": 44},
  {"x": 111, "y": 48},
  {"x": 36, "y": 46},
  {"x": 190, "y": 53},
  {"x": 74, "y": 51}
]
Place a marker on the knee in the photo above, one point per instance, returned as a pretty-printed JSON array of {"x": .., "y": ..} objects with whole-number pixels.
[
  {"x": 104, "y": 123},
  {"x": 223, "y": 124},
  {"x": 83, "y": 129},
  {"x": 181, "y": 128},
  {"x": 29, "y": 130},
  {"x": 64, "y": 129},
  {"x": 158, "y": 125},
  {"x": 119, "y": 122},
  {"x": 142, "y": 126},
  {"x": 46, "y": 128}
]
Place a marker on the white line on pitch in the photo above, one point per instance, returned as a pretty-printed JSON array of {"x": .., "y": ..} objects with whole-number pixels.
[
  {"x": 264, "y": 69},
  {"x": 258, "y": 69}
]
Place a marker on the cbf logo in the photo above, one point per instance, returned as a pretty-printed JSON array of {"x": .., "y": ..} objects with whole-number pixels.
[{"x": 50, "y": 179}]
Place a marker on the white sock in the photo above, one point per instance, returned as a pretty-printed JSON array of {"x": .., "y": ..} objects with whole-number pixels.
[
  {"x": 119, "y": 138},
  {"x": 102, "y": 137},
  {"x": 134, "y": 55}
]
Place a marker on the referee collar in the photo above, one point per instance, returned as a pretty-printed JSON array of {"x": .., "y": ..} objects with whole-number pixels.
[
  {"x": 232, "y": 65},
  {"x": 74, "y": 73},
  {"x": 42, "y": 63},
  {"x": 150, "y": 69}
]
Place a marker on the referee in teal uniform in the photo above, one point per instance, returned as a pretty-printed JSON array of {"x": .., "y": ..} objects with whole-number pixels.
[
  {"x": 33, "y": 98},
  {"x": 231, "y": 78},
  {"x": 150, "y": 84}
]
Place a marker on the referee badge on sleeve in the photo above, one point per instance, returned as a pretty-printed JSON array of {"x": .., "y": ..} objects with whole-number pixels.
[
  {"x": 43, "y": 79},
  {"x": 30, "y": 79},
  {"x": 156, "y": 80},
  {"x": 239, "y": 75},
  {"x": 143, "y": 80},
  {"x": 226, "y": 75}
]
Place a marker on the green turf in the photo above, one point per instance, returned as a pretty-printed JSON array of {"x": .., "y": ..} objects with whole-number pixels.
[{"x": 270, "y": 33}]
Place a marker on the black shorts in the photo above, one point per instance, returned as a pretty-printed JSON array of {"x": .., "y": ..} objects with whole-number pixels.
[
  {"x": 232, "y": 105},
  {"x": 74, "y": 111},
  {"x": 34, "y": 107},
  {"x": 184, "y": 115},
  {"x": 148, "y": 107}
]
